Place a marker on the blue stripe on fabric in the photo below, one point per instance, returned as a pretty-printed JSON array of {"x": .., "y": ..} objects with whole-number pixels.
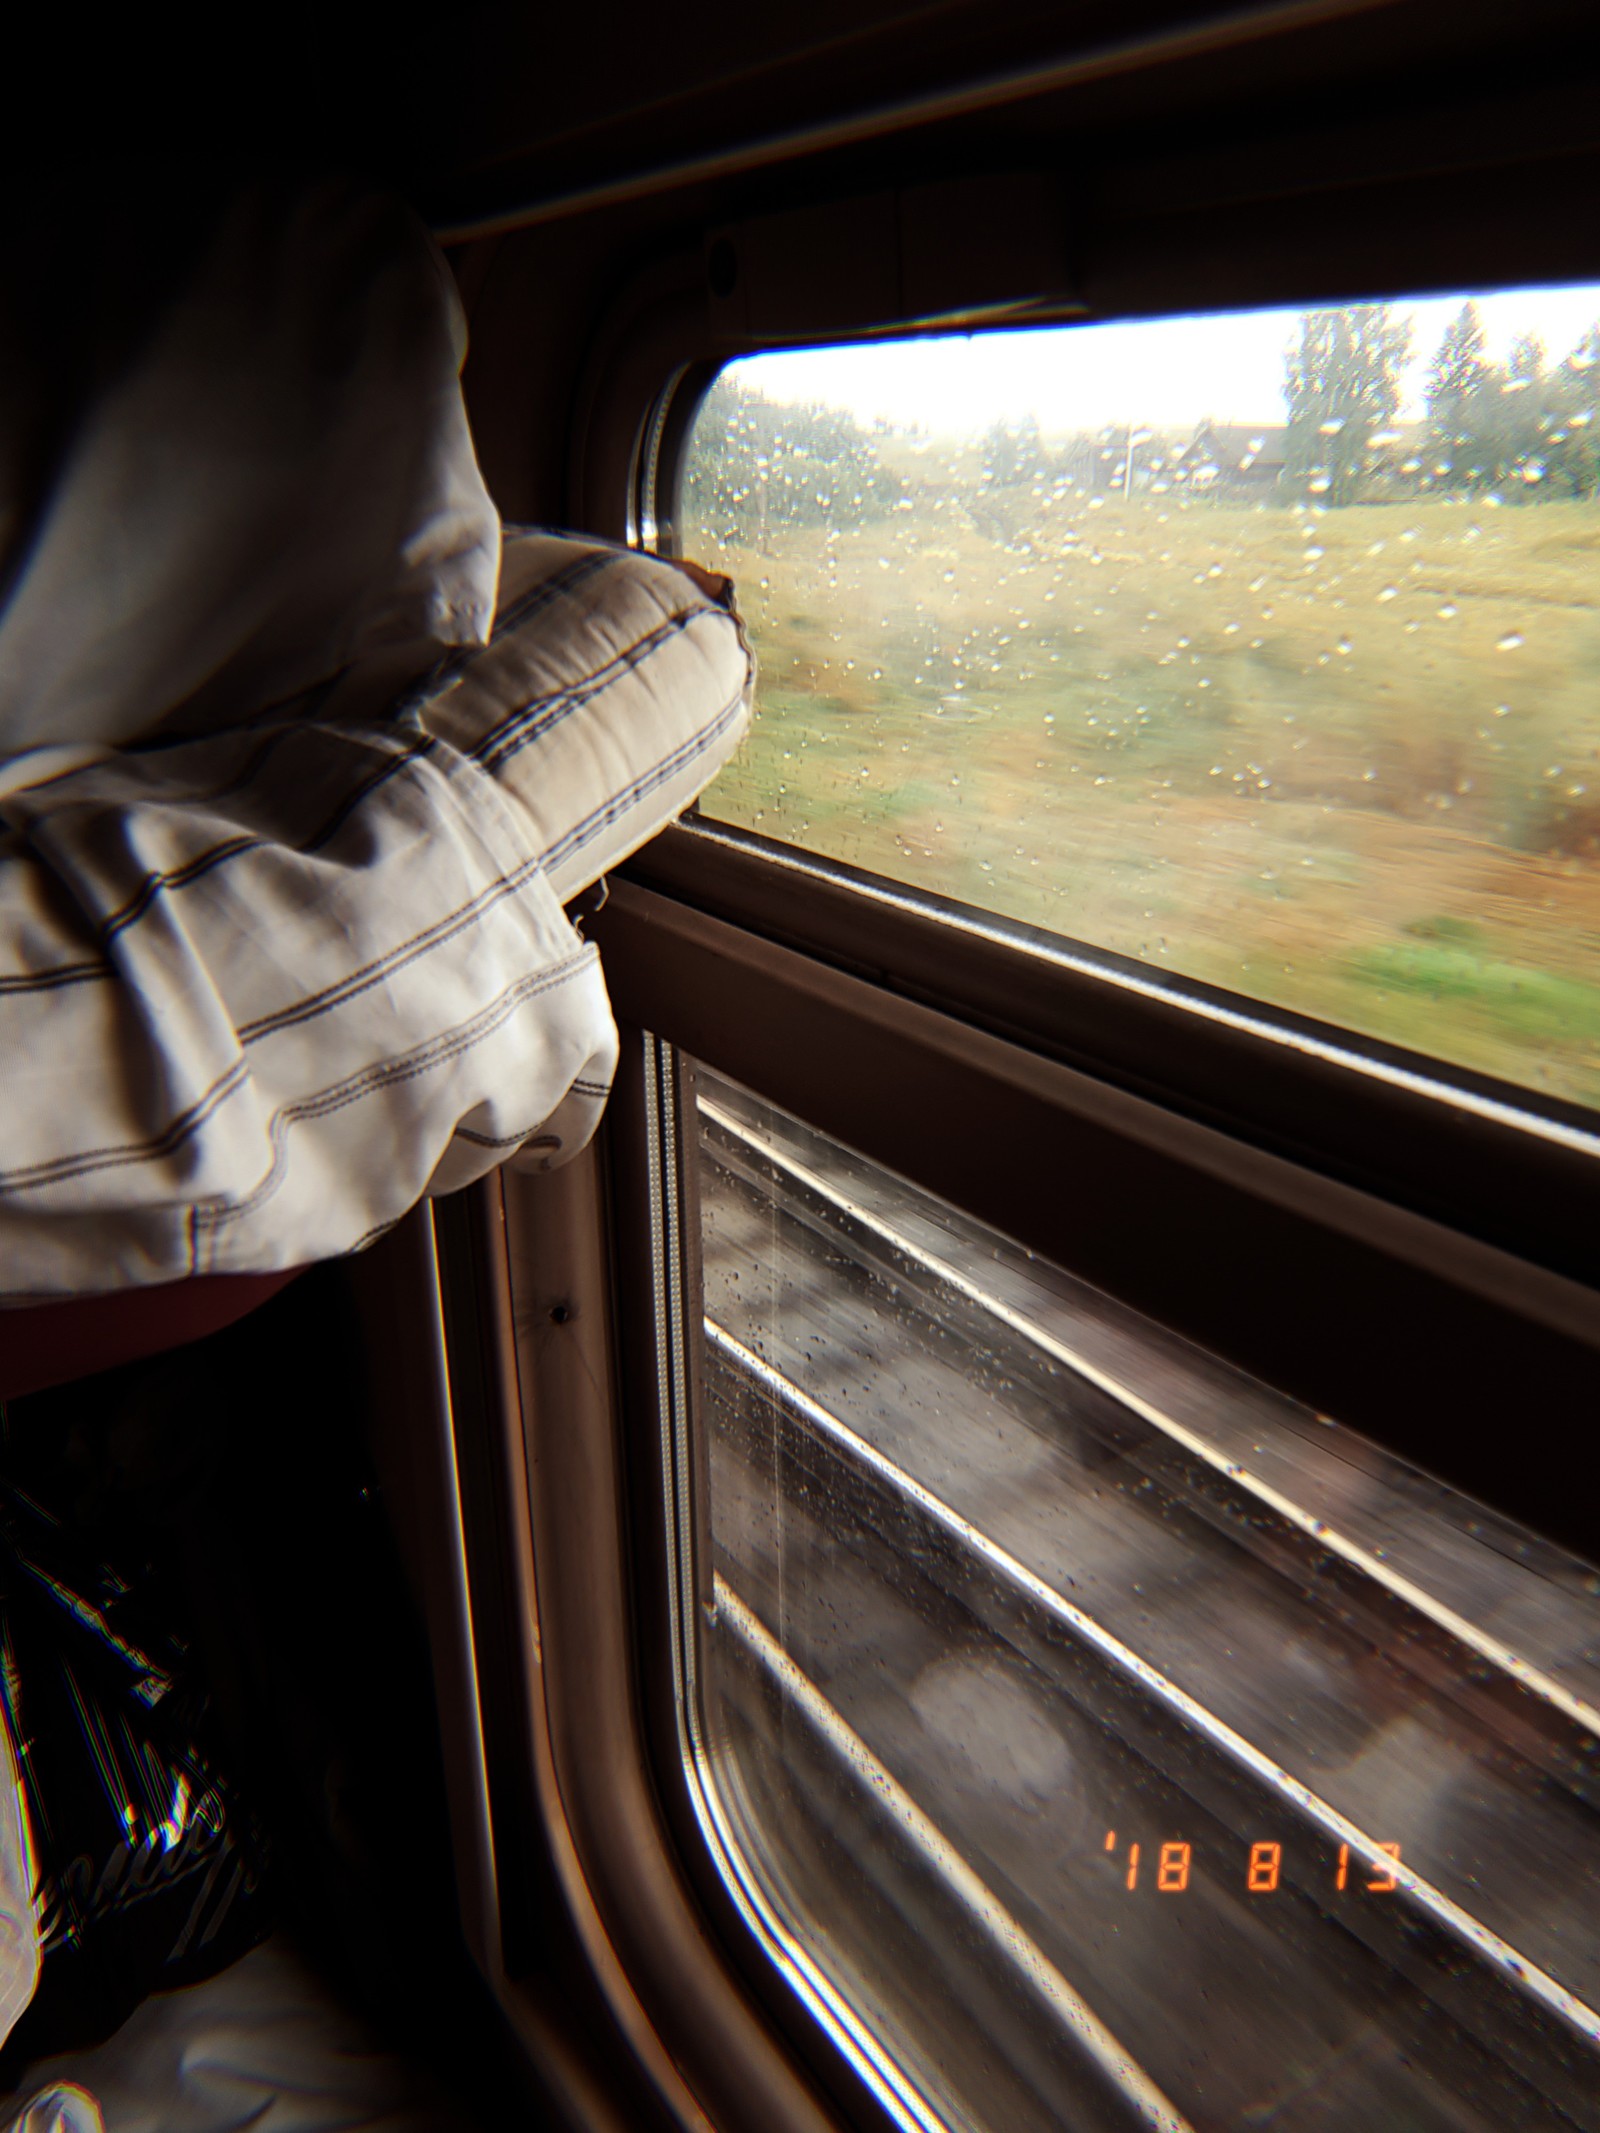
[
  {"x": 439, "y": 1050},
  {"x": 507, "y": 621},
  {"x": 651, "y": 781},
  {"x": 187, "y": 1123},
  {"x": 532, "y": 720},
  {"x": 158, "y": 882},
  {"x": 392, "y": 960}
]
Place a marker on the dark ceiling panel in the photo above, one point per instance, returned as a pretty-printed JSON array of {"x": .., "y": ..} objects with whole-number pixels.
[{"x": 912, "y": 86}]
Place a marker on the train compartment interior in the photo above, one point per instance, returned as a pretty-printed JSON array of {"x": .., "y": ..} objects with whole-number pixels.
[{"x": 1011, "y": 1544}]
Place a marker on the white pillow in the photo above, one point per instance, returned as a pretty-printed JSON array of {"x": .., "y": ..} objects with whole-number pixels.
[{"x": 611, "y": 692}]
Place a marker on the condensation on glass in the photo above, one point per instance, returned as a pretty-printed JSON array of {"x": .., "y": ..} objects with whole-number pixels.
[
  {"x": 1264, "y": 648},
  {"x": 1099, "y": 1739}
]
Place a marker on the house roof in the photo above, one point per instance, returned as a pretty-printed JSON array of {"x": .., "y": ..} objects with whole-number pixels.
[{"x": 1236, "y": 447}]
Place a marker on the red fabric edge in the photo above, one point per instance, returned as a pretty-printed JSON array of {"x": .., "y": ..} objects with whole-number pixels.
[{"x": 52, "y": 1343}]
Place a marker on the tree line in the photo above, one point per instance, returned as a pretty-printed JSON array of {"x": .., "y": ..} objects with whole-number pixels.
[
  {"x": 1523, "y": 428},
  {"x": 756, "y": 467}
]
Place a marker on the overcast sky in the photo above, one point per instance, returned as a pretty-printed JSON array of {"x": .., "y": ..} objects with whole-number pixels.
[{"x": 1167, "y": 372}]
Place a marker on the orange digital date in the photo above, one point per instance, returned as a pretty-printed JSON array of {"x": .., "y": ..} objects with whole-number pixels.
[{"x": 1263, "y": 1867}]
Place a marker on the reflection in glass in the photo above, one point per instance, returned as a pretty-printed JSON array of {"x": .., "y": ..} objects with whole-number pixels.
[
  {"x": 1123, "y": 1744},
  {"x": 1264, "y": 649}
]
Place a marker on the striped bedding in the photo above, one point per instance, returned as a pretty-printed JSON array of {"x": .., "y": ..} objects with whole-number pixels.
[{"x": 263, "y": 990}]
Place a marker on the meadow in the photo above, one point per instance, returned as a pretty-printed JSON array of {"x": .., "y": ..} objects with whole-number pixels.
[{"x": 1346, "y": 762}]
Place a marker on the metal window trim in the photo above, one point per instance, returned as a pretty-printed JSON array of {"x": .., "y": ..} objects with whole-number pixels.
[
  {"x": 1502, "y": 1164},
  {"x": 428, "y": 1328},
  {"x": 563, "y": 1266},
  {"x": 551, "y": 1961},
  {"x": 1425, "y": 1339},
  {"x": 1511, "y": 1166},
  {"x": 685, "y": 1983},
  {"x": 665, "y": 1401},
  {"x": 662, "y": 339}
]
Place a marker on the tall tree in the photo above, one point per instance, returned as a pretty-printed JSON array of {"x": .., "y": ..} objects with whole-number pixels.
[
  {"x": 1526, "y": 430},
  {"x": 1461, "y": 363},
  {"x": 1465, "y": 407},
  {"x": 1343, "y": 384},
  {"x": 1526, "y": 364},
  {"x": 1575, "y": 429},
  {"x": 1530, "y": 415}
]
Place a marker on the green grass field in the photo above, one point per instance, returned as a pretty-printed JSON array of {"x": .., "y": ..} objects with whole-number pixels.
[{"x": 1345, "y": 762}]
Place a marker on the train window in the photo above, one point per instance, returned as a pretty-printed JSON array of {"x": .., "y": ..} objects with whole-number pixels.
[
  {"x": 1094, "y": 1736},
  {"x": 1260, "y": 649}
]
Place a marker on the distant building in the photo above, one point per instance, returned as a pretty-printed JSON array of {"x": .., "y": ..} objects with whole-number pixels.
[
  {"x": 1230, "y": 455},
  {"x": 1398, "y": 459}
]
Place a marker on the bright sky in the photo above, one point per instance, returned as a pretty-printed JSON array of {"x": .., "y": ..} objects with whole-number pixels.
[{"x": 1165, "y": 372}]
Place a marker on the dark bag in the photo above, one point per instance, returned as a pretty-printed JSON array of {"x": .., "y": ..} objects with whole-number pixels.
[{"x": 149, "y": 1867}]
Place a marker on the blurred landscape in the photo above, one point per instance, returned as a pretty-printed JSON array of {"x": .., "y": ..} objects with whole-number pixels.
[{"x": 1310, "y": 711}]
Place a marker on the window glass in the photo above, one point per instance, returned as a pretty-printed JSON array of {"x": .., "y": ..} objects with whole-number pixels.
[
  {"x": 1103, "y": 1739},
  {"x": 1262, "y": 648}
]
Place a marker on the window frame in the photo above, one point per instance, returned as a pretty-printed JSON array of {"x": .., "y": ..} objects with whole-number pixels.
[
  {"x": 553, "y": 1285},
  {"x": 1297, "y": 1277}
]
